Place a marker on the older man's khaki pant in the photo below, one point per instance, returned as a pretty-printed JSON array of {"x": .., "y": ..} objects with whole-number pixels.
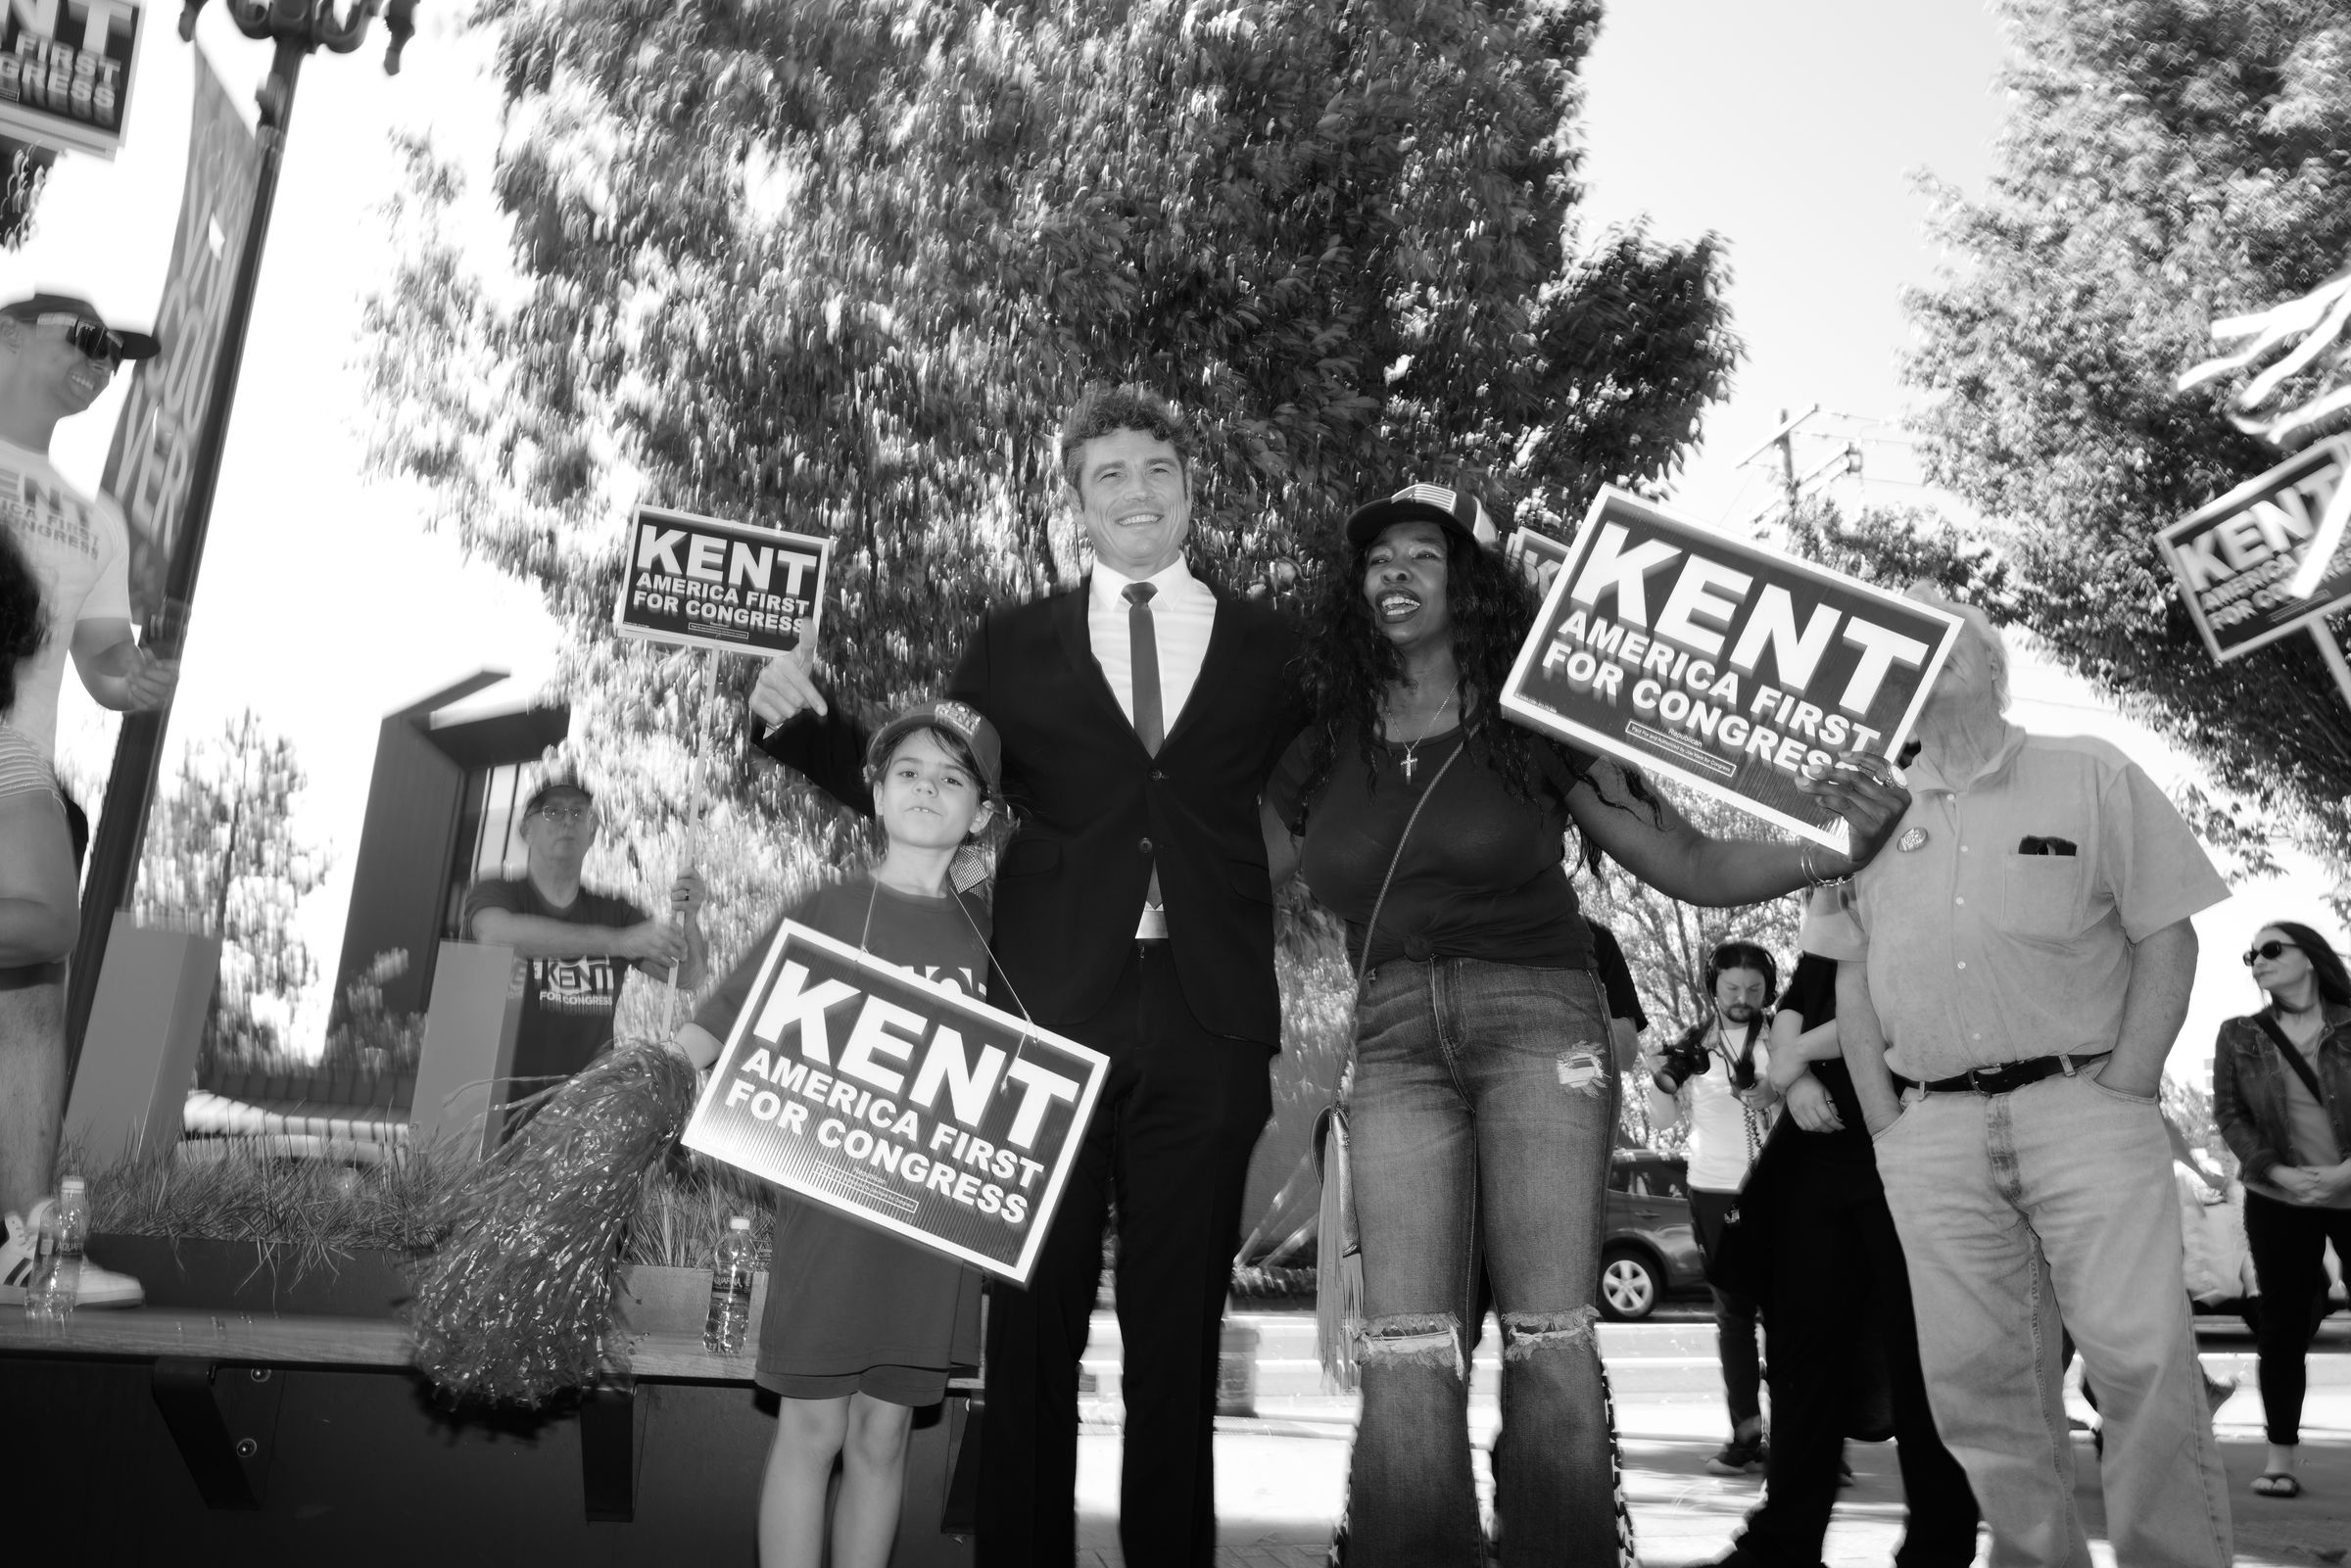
[{"x": 1998, "y": 1198}]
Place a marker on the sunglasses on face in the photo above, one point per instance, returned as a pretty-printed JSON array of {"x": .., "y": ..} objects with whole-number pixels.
[
  {"x": 2267, "y": 950},
  {"x": 94, "y": 341}
]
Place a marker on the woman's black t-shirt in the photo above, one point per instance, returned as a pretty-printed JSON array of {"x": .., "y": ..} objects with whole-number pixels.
[
  {"x": 1811, "y": 995},
  {"x": 1484, "y": 876}
]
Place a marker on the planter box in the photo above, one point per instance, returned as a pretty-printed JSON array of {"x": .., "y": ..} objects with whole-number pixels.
[
  {"x": 201, "y": 1275},
  {"x": 677, "y": 1301},
  {"x": 245, "y": 1276}
]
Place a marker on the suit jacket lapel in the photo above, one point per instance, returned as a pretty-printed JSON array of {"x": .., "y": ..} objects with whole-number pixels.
[
  {"x": 1223, "y": 648},
  {"x": 1070, "y": 617}
]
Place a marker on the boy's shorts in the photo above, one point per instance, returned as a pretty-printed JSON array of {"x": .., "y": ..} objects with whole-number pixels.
[{"x": 915, "y": 1385}]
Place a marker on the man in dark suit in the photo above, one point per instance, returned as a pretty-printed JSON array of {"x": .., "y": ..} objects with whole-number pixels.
[{"x": 1141, "y": 713}]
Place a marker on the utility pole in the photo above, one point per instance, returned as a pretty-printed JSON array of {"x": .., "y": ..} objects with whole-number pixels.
[
  {"x": 1787, "y": 446},
  {"x": 1791, "y": 484}
]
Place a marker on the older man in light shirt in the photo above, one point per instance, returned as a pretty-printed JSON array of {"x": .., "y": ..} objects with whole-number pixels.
[{"x": 2022, "y": 967}]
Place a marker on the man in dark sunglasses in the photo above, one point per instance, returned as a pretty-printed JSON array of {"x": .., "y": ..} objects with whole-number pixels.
[{"x": 56, "y": 354}]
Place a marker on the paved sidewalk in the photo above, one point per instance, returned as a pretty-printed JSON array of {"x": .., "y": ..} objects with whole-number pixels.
[{"x": 1281, "y": 1474}]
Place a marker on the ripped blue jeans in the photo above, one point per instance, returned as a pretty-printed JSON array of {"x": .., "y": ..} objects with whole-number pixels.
[{"x": 1482, "y": 1113}]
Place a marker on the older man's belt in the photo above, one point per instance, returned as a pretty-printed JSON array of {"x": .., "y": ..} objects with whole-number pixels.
[{"x": 2007, "y": 1076}]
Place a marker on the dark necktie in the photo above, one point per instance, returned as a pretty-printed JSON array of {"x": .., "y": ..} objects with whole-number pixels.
[
  {"x": 1142, "y": 643},
  {"x": 1143, "y": 638}
]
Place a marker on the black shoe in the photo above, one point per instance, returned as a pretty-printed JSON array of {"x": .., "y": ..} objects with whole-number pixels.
[{"x": 1740, "y": 1457}]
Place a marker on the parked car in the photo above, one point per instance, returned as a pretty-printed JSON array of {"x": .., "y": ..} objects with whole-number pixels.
[{"x": 1650, "y": 1250}]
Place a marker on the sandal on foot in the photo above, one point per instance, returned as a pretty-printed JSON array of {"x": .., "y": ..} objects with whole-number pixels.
[{"x": 2276, "y": 1484}]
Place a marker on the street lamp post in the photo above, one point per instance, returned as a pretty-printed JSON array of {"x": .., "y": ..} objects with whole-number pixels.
[{"x": 296, "y": 29}]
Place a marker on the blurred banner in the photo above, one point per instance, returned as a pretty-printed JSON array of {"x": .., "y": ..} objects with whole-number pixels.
[
  {"x": 65, "y": 71},
  {"x": 154, "y": 455}
]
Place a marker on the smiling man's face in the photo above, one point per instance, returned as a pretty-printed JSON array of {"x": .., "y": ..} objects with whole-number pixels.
[
  {"x": 1136, "y": 502},
  {"x": 72, "y": 378}
]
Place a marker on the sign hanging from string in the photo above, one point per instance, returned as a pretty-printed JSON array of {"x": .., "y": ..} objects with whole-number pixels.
[{"x": 901, "y": 1103}]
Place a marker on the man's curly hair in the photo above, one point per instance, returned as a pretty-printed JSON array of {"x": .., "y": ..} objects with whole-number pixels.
[
  {"x": 1348, "y": 662},
  {"x": 1105, "y": 411},
  {"x": 22, "y": 626}
]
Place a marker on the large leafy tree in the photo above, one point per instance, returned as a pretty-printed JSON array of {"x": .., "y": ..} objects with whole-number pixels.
[
  {"x": 2165, "y": 163},
  {"x": 839, "y": 266}
]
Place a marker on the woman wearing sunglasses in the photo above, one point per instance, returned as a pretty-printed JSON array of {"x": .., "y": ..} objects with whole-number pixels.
[{"x": 2281, "y": 1094}]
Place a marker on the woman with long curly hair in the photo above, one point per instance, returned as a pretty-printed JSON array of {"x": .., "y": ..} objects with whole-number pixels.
[
  {"x": 1482, "y": 1104},
  {"x": 2282, "y": 1096}
]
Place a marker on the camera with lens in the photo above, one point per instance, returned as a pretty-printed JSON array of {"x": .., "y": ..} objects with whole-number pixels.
[{"x": 1685, "y": 1060}]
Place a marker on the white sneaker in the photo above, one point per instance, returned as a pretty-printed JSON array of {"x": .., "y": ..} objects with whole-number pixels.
[
  {"x": 15, "y": 1261},
  {"x": 99, "y": 1287}
]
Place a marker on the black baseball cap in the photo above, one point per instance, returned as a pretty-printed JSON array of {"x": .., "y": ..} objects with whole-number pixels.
[
  {"x": 557, "y": 787},
  {"x": 1456, "y": 511},
  {"x": 961, "y": 719},
  {"x": 42, "y": 307}
]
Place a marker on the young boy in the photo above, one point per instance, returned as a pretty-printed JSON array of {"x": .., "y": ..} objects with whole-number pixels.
[{"x": 861, "y": 1328}]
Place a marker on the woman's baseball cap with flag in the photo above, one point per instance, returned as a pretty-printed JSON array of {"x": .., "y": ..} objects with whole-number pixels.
[
  {"x": 1456, "y": 510},
  {"x": 961, "y": 719}
]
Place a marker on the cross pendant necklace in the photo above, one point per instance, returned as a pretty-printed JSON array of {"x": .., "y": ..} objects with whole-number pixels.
[{"x": 1411, "y": 760}]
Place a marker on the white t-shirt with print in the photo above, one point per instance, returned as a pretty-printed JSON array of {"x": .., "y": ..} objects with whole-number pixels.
[
  {"x": 1724, "y": 1134},
  {"x": 81, "y": 551}
]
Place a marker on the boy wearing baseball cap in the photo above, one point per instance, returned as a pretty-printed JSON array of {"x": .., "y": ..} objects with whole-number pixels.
[{"x": 862, "y": 1328}]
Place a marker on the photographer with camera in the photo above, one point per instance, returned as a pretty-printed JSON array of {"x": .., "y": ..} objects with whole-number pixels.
[{"x": 1719, "y": 1075}]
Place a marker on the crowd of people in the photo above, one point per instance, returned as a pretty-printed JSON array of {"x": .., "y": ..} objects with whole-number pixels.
[{"x": 1917, "y": 1170}]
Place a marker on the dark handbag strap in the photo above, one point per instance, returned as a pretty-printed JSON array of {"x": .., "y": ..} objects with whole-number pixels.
[
  {"x": 2293, "y": 1058},
  {"x": 1362, "y": 960}
]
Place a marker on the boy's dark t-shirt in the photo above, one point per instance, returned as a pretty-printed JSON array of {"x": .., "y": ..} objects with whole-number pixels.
[
  {"x": 1811, "y": 995},
  {"x": 567, "y": 1002},
  {"x": 842, "y": 1297},
  {"x": 1484, "y": 876}
]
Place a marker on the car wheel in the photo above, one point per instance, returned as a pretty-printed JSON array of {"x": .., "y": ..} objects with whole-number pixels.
[{"x": 1628, "y": 1285}]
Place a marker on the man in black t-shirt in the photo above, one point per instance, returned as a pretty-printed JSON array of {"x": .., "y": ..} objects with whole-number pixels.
[
  {"x": 573, "y": 946},
  {"x": 1626, "y": 1018}
]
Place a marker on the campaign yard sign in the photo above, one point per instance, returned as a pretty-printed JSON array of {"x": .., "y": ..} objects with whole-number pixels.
[
  {"x": 65, "y": 71},
  {"x": 1530, "y": 551},
  {"x": 704, "y": 582},
  {"x": 1722, "y": 663},
  {"x": 904, "y": 1103},
  {"x": 2237, "y": 556}
]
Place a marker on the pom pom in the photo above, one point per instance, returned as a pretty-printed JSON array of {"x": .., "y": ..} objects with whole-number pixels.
[{"x": 515, "y": 1304}]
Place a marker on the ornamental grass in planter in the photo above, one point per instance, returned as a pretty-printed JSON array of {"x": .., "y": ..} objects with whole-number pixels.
[{"x": 225, "y": 1223}]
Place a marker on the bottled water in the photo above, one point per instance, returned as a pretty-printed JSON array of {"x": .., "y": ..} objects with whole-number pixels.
[
  {"x": 73, "y": 1229},
  {"x": 56, "y": 1269},
  {"x": 49, "y": 1299},
  {"x": 730, "y": 1290}
]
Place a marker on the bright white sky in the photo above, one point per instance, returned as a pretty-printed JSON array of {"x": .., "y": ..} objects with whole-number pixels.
[{"x": 1794, "y": 130}]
